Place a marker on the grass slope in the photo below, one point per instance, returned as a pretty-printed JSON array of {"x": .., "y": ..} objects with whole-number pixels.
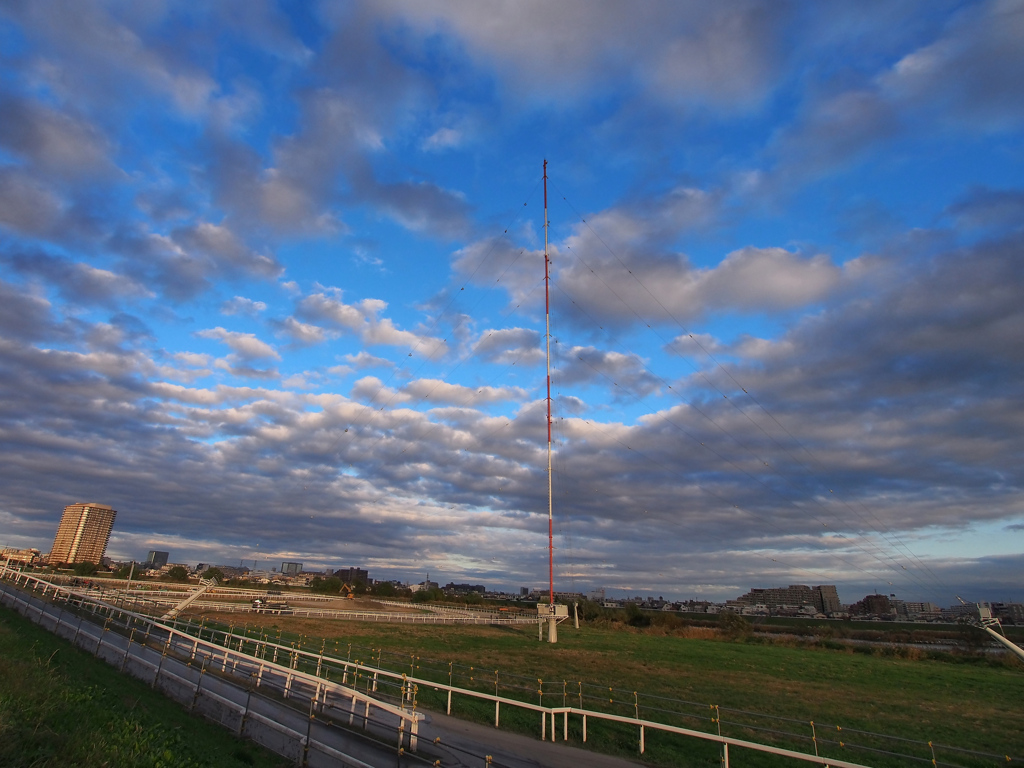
[{"x": 60, "y": 706}]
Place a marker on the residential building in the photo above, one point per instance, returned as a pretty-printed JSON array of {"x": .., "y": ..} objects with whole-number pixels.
[
  {"x": 20, "y": 556},
  {"x": 352, "y": 575},
  {"x": 824, "y": 598},
  {"x": 291, "y": 569},
  {"x": 83, "y": 533},
  {"x": 462, "y": 589},
  {"x": 157, "y": 559}
]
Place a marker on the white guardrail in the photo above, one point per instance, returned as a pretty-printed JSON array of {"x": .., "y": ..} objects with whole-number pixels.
[
  {"x": 263, "y": 658},
  {"x": 280, "y": 673}
]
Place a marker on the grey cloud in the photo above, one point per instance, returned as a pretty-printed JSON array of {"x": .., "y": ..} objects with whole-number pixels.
[
  {"x": 52, "y": 142},
  {"x": 240, "y": 305},
  {"x": 579, "y": 365},
  {"x": 364, "y": 360},
  {"x": 654, "y": 286},
  {"x": 320, "y": 167},
  {"x": 100, "y": 56},
  {"x": 436, "y": 391},
  {"x": 78, "y": 283},
  {"x": 972, "y": 74},
  {"x": 984, "y": 207},
  {"x": 507, "y": 346},
  {"x": 301, "y": 333},
  {"x": 836, "y": 131},
  {"x": 969, "y": 76},
  {"x": 689, "y": 53},
  {"x": 26, "y": 205},
  {"x": 27, "y": 317},
  {"x": 246, "y": 345},
  {"x": 225, "y": 252},
  {"x": 184, "y": 264},
  {"x": 421, "y": 207}
]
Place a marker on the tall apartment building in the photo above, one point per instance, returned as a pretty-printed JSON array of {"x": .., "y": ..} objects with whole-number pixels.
[
  {"x": 83, "y": 533},
  {"x": 823, "y": 597},
  {"x": 291, "y": 569},
  {"x": 157, "y": 559},
  {"x": 352, "y": 575}
]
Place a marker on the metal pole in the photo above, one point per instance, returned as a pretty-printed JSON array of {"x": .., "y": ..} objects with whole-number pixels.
[{"x": 552, "y": 636}]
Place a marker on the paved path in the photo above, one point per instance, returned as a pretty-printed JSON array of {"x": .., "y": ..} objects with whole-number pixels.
[
  {"x": 507, "y": 749},
  {"x": 281, "y": 726}
]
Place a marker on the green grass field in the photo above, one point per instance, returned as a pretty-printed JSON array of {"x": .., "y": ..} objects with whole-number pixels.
[
  {"x": 60, "y": 706},
  {"x": 956, "y": 699}
]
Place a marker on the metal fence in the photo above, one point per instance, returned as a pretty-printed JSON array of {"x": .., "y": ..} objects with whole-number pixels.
[
  {"x": 278, "y": 706},
  {"x": 402, "y": 678}
]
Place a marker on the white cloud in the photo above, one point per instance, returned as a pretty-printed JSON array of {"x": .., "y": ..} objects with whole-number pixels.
[
  {"x": 245, "y": 345},
  {"x": 240, "y": 305}
]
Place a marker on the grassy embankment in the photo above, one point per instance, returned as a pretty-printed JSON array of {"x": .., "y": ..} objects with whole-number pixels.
[
  {"x": 959, "y": 699},
  {"x": 60, "y": 706}
]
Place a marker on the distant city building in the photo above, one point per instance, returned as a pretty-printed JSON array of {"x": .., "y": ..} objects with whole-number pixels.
[
  {"x": 83, "y": 533},
  {"x": 20, "y": 556},
  {"x": 352, "y": 575},
  {"x": 423, "y": 585},
  {"x": 461, "y": 589},
  {"x": 826, "y": 599},
  {"x": 524, "y": 591},
  {"x": 291, "y": 569},
  {"x": 873, "y": 605},
  {"x": 157, "y": 559}
]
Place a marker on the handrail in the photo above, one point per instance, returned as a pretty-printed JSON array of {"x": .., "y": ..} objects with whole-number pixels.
[{"x": 410, "y": 684}]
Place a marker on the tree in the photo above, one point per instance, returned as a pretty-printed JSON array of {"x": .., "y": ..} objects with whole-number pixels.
[
  {"x": 635, "y": 617},
  {"x": 328, "y": 586},
  {"x": 177, "y": 573},
  {"x": 214, "y": 573},
  {"x": 385, "y": 589},
  {"x": 733, "y": 625},
  {"x": 85, "y": 569},
  {"x": 427, "y": 595}
]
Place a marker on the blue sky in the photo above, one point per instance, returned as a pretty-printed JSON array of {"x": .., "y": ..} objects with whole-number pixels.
[{"x": 272, "y": 286}]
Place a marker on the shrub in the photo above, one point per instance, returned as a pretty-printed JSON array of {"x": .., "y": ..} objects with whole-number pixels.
[
  {"x": 177, "y": 573},
  {"x": 733, "y": 625},
  {"x": 85, "y": 569}
]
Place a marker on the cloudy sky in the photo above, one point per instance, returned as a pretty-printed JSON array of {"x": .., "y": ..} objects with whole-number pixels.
[{"x": 271, "y": 285}]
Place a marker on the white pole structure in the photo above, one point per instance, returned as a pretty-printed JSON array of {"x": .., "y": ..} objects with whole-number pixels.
[
  {"x": 552, "y": 621},
  {"x": 987, "y": 621}
]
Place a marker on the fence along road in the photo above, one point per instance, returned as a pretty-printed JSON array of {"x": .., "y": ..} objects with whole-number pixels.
[{"x": 170, "y": 656}]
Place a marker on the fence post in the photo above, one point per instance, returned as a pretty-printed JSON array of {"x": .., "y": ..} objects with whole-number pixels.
[
  {"x": 127, "y": 650},
  {"x": 199, "y": 685}
]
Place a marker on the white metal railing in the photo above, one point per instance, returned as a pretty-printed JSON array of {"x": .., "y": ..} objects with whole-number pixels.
[
  {"x": 174, "y": 640},
  {"x": 409, "y": 685}
]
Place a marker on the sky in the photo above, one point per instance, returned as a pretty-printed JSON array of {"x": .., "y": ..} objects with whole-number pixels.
[{"x": 272, "y": 286}]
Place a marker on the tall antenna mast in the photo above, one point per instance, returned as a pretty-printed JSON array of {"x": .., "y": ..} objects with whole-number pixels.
[{"x": 547, "y": 337}]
